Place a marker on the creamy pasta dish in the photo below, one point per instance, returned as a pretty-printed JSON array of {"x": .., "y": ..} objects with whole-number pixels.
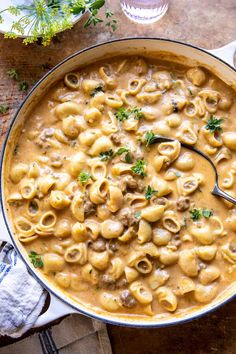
[{"x": 114, "y": 221}]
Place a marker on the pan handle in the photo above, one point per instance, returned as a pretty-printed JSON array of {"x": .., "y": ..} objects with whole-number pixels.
[
  {"x": 226, "y": 53},
  {"x": 4, "y": 234},
  {"x": 56, "y": 309}
]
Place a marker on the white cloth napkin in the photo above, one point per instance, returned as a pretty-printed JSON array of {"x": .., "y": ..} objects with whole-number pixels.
[{"x": 21, "y": 297}]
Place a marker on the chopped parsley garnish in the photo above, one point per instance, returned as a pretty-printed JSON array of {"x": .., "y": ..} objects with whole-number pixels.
[
  {"x": 36, "y": 259},
  {"x": 23, "y": 86},
  {"x": 109, "y": 154},
  {"x": 197, "y": 214},
  {"x": 128, "y": 157},
  {"x": 137, "y": 214},
  {"x": 137, "y": 112},
  {"x": 123, "y": 114},
  {"x": 139, "y": 168},
  {"x": 149, "y": 137},
  {"x": 96, "y": 90},
  {"x": 13, "y": 74},
  {"x": 4, "y": 108},
  {"x": 121, "y": 150},
  {"x": 207, "y": 213},
  {"x": 214, "y": 124},
  {"x": 149, "y": 192},
  {"x": 83, "y": 178},
  {"x": 106, "y": 155}
]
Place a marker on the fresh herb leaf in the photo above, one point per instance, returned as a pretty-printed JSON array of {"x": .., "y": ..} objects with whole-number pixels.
[
  {"x": 140, "y": 168},
  {"x": 13, "y": 74},
  {"x": 137, "y": 214},
  {"x": 97, "y": 89},
  {"x": 4, "y": 109},
  {"x": 121, "y": 150},
  {"x": 109, "y": 14},
  {"x": 149, "y": 192},
  {"x": 214, "y": 124},
  {"x": 97, "y": 4},
  {"x": 197, "y": 214},
  {"x": 36, "y": 259},
  {"x": 83, "y": 178},
  {"x": 149, "y": 137},
  {"x": 106, "y": 155},
  {"x": 23, "y": 86},
  {"x": 123, "y": 114},
  {"x": 113, "y": 23},
  {"x": 93, "y": 19},
  {"x": 137, "y": 112},
  {"x": 128, "y": 158},
  {"x": 207, "y": 213}
]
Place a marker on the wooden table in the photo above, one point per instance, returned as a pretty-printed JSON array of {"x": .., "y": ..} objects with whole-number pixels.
[{"x": 208, "y": 24}]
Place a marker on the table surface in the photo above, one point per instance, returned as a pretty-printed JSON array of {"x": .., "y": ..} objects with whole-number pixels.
[{"x": 208, "y": 24}]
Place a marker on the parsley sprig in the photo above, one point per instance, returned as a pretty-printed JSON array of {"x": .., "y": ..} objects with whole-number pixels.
[
  {"x": 149, "y": 137},
  {"x": 125, "y": 113},
  {"x": 197, "y": 213},
  {"x": 149, "y": 192},
  {"x": 106, "y": 155},
  {"x": 109, "y": 154},
  {"x": 83, "y": 178},
  {"x": 139, "y": 168},
  {"x": 214, "y": 124},
  {"x": 23, "y": 86},
  {"x": 124, "y": 150},
  {"x": 4, "y": 108},
  {"x": 36, "y": 259},
  {"x": 14, "y": 74},
  {"x": 112, "y": 23},
  {"x": 121, "y": 151}
]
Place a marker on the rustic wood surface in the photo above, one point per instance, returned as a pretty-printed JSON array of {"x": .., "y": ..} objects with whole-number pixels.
[{"x": 208, "y": 24}]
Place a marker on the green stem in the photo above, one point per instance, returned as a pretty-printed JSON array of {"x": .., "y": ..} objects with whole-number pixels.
[{"x": 32, "y": 25}]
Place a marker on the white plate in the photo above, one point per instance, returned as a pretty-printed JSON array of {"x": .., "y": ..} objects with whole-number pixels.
[{"x": 9, "y": 18}]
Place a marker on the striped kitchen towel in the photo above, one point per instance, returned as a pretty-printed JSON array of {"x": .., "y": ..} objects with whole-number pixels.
[
  {"x": 21, "y": 297},
  {"x": 21, "y": 301}
]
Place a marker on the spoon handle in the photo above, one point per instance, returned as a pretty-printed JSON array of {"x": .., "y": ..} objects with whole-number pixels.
[{"x": 217, "y": 191}]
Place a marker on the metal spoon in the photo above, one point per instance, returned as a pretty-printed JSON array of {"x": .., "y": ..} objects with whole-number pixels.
[{"x": 216, "y": 190}]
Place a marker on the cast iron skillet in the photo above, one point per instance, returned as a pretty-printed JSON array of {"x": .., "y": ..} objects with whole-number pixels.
[{"x": 61, "y": 303}]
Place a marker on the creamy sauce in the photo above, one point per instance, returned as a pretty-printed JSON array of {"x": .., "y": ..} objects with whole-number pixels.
[{"x": 113, "y": 221}]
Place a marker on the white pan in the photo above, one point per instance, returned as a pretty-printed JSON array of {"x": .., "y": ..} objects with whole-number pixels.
[{"x": 220, "y": 61}]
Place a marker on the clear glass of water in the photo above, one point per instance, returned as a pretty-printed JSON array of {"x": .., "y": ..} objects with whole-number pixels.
[{"x": 144, "y": 11}]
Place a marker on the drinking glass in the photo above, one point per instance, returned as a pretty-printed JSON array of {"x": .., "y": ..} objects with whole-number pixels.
[{"x": 144, "y": 11}]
